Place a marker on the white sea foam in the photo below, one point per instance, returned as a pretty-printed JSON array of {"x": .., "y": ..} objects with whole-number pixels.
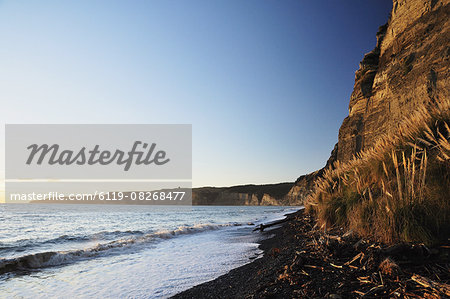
[{"x": 112, "y": 252}]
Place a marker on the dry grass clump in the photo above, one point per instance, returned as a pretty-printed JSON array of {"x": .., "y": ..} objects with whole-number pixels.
[
  {"x": 399, "y": 190},
  {"x": 389, "y": 267}
]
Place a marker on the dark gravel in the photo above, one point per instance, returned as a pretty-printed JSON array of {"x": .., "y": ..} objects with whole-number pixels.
[{"x": 301, "y": 261}]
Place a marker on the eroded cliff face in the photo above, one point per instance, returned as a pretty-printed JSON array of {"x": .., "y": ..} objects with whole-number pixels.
[
  {"x": 408, "y": 68},
  {"x": 303, "y": 186},
  {"x": 248, "y": 195}
]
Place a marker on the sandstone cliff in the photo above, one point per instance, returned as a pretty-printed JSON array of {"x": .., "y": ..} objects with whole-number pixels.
[{"x": 407, "y": 69}]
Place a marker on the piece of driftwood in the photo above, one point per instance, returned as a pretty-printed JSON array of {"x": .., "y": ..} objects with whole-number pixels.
[
  {"x": 428, "y": 283},
  {"x": 337, "y": 238},
  {"x": 373, "y": 290},
  {"x": 262, "y": 226},
  {"x": 336, "y": 266},
  {"x": 314, "y": 267},
  {"x": 355, "y": 258}
]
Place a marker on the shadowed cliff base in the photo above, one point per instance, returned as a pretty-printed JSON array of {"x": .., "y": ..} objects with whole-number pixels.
[{"x": 399, "y": 189}]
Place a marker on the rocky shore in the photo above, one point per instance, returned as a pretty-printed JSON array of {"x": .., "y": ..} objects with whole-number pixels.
[{"x": 301, "y": 261}]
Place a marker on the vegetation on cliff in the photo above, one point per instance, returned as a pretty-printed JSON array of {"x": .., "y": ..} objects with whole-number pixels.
[{"x": 397, "y": 190}]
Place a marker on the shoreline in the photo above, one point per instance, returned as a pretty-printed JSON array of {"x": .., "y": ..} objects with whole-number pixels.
[
  {"x": 301, "y": 261},
  {"x": 234, "y": 283}
]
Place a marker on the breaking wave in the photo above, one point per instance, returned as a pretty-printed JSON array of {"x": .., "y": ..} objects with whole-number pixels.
[
  {"x": 22, "y": 245},
  {"x": 57, "y": 258}
]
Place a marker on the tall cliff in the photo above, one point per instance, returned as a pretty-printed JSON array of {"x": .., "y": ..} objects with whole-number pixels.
[{"x": 408, "y": 68}]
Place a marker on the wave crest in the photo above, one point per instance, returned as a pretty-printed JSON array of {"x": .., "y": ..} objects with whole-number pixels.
[{"x": 57, "y": 258}]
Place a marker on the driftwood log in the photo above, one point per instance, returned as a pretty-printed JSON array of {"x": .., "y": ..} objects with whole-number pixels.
[
  {"x": 435, "y": 286},
  {"x": 262, "y": 226}
]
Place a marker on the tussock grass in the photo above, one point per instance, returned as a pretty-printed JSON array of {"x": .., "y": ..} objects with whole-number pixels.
[{"x": 399, "y": 190}]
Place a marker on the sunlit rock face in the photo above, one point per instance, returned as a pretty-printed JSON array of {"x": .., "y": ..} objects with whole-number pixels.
[{"x": 408, "y": 68}]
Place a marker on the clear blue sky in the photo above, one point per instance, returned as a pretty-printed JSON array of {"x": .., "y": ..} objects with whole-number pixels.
[{"x": 265, "y": 84}]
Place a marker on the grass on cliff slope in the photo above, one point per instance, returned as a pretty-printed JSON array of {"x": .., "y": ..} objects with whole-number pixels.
[{"x": 399, "y": 190}]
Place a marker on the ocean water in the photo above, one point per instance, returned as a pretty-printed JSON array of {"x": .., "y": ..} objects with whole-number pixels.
[{"x": 120, "y": 251}]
